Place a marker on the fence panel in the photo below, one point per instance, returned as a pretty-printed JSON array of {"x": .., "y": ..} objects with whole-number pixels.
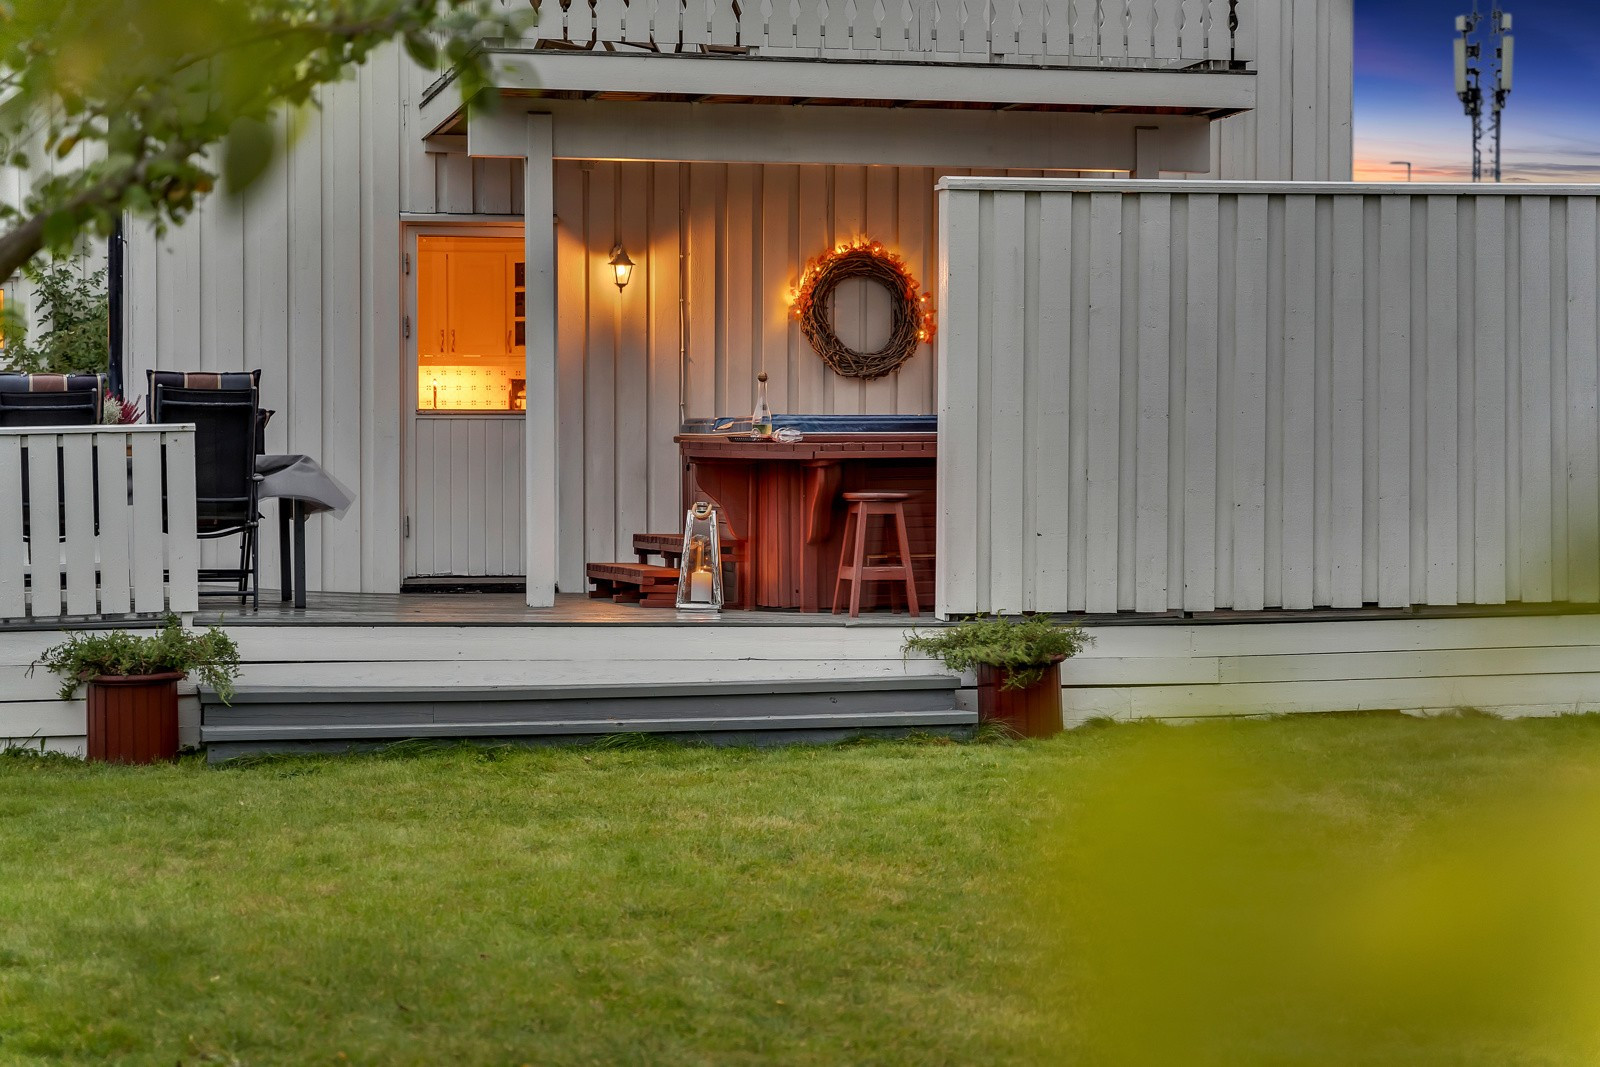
[
  {"x": 1284, "y": 395},
  {"x": 86, "y": 531}
]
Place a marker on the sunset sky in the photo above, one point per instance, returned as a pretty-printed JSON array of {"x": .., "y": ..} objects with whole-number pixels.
[{"x": 1406, "y": 108}]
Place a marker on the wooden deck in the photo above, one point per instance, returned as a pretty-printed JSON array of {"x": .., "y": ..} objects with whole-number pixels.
[
  {"x": 347, "y": 651},
  {"x": 509, "y": 609}
]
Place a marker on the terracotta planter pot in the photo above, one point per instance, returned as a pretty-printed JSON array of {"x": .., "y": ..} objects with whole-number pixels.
[
  {"x": 1032, "y": 711},
  {"x": 134, "y": 718}
]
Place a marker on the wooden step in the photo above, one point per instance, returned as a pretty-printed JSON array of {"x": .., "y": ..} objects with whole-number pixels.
[
  {"x": 311, "y": 718},
  {"x": 669, "y": 546},
  {"x": 633, "y": 583}
]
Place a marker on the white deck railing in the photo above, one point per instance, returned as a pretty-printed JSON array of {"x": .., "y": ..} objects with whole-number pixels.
[
  {"x": 98, "y": 536},
  {"x": 1114, "y": 33}
]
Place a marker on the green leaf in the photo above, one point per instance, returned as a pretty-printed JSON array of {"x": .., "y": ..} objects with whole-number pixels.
[
  {"x": 60, "y": 229},
  {"x": 422, "y": 50},
  {"x": 246, "y": 153}
]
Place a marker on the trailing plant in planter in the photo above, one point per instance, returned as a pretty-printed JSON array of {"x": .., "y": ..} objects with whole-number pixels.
[
  {"x": 132, "y": 680},
  {"x": 1022, "y": 646},
  {"x": 1017, "y": 662},
  {"x": 211, "y": 656}
]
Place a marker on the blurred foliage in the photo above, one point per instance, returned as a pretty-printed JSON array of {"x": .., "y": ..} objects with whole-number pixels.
[
  {"x": 1217, "y": 901},
  {"x": 147, "y": 88},
  {"x": 76, "y": 318}
]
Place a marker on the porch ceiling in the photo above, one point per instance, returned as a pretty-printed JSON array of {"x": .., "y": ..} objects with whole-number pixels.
[
  {"x": 729, "y": 79},
  {"x": 769, "y": 133}
]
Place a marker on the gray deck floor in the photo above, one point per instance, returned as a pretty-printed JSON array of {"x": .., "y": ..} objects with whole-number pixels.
[{"x": 502, "y": 609}]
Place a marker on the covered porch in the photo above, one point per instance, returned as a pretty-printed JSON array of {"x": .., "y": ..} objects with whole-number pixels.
[{"x": 625, "y": 383}]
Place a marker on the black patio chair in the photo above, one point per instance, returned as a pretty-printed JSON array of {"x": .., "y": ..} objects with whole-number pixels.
[
  {"x": 158, "y": 381},
  {"x": 51, "y": 399},
  {"x": 227, "y": 487}
]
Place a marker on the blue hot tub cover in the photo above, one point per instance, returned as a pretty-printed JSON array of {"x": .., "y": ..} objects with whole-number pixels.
[{"x": 822, "y": 424}]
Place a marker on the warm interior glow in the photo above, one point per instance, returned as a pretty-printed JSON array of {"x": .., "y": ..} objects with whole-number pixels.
[
  {"x": 480, "y": 387},
  {"x": 471, "y": 324}
]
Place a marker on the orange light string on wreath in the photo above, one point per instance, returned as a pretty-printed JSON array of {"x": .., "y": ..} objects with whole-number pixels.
[{"x": 912, "y": 320}]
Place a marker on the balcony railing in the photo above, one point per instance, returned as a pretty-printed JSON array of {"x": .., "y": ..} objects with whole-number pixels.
[{"x": 1056, "y": 33}]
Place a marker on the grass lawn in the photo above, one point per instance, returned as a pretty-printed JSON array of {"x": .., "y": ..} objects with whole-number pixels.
[{"x": 1278, "y": 892}]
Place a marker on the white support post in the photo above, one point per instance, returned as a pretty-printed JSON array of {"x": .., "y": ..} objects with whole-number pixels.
[
  {"x": 1146, "y": 152},
  {"x": 539, "y": 527}
]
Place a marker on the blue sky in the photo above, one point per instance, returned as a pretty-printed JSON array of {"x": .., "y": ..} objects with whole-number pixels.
[{"x": 1405, "y": 104}]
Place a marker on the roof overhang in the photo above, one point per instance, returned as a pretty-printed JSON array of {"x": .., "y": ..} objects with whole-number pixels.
[{"x": 753, "y": 79}]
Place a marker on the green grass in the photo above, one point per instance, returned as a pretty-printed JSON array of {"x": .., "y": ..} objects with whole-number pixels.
[{"x": 873, "y": 903}]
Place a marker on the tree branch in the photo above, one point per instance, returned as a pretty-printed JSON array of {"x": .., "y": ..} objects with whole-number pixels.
[{"x": 23, "y": 241}]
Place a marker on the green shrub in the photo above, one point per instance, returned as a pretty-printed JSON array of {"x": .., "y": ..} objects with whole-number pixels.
[
  {"x": 1022, "y": 646},
  {"x": 212, "y": 656},
  {"x": 77, "y": 339}
]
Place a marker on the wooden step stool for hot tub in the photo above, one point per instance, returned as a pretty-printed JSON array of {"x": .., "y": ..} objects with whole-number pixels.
[
  {"x": 634, "y": 583},
  {"x": 669, "y": 546}
]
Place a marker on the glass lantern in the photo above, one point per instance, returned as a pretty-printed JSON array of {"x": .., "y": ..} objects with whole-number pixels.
[{"x": 700, "y": 566}]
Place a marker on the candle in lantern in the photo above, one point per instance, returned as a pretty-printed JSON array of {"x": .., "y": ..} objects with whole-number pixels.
[{"x": 699, "y": 580}]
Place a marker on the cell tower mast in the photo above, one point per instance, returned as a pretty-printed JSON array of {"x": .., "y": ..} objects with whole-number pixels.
[{"x": 1472, "y": 66}]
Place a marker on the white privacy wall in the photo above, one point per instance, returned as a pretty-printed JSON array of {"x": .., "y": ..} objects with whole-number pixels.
[{"x": 1173, "y": 395}]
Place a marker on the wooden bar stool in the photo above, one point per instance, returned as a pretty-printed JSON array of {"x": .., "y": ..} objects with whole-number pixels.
[{"x": 853, "y": 559}]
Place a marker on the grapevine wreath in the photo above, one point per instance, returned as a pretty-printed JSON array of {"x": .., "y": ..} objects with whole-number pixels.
[{"x": 911, "y": 319}]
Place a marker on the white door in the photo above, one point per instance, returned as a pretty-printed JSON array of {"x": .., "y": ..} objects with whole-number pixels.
[{"x": 465, "y": 403}]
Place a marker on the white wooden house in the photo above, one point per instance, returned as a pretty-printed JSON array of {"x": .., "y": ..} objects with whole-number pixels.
[
  {"x": 722, "y": 145},
  {"x": 1271, "y": 422}
]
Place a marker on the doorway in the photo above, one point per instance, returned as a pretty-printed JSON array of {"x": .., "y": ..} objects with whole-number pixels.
[{"x": 465, "y": 402}]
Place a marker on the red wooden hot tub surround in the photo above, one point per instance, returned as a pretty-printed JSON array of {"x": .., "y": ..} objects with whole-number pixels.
[{"x": 784, "y": 500}]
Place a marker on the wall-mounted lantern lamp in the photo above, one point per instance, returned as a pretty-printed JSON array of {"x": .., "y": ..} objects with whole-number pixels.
[{"x": 621, "y": 266}]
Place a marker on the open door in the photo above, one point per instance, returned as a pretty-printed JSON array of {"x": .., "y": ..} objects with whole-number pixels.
[{"x": 466, "y": 403}]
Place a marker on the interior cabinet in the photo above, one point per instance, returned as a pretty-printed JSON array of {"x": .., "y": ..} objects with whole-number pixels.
[
  {"x": 478, "y": 303},
  {"x": 468, "y": 302}
]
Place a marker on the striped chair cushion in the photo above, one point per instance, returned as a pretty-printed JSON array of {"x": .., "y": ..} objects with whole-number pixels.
[
  {"x": 11, "y": 382},
  {"x": 194, "y": 379}
]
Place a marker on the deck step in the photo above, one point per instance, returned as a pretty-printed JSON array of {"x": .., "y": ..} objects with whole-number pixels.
[
  {"x": 633, "y": 583},
  {"x": 295, "y": 718}
]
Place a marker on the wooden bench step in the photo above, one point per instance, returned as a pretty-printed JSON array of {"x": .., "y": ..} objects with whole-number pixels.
[
  {"x": 634, "y": 583},
  {"x": 669, "y": 546}
]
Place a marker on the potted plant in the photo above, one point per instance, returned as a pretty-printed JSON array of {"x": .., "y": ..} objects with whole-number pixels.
[
  {"x": 1018, "y": 664},
  {"x": 132, "y": 684}
]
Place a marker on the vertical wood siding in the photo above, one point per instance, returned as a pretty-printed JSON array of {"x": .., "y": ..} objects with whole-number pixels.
[
  {"x": 717, "y": 248},
  {"x": 467, "y": 496},
  {"x": 1172, "y": 397},
  {"x": 264, "y": 283},
  {"x": 302, "y": 280},
  {"x": 1300, "y": 129}
]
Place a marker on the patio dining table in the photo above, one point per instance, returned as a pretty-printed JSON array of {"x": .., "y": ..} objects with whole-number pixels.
[{"x": 302, "y": 487}]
